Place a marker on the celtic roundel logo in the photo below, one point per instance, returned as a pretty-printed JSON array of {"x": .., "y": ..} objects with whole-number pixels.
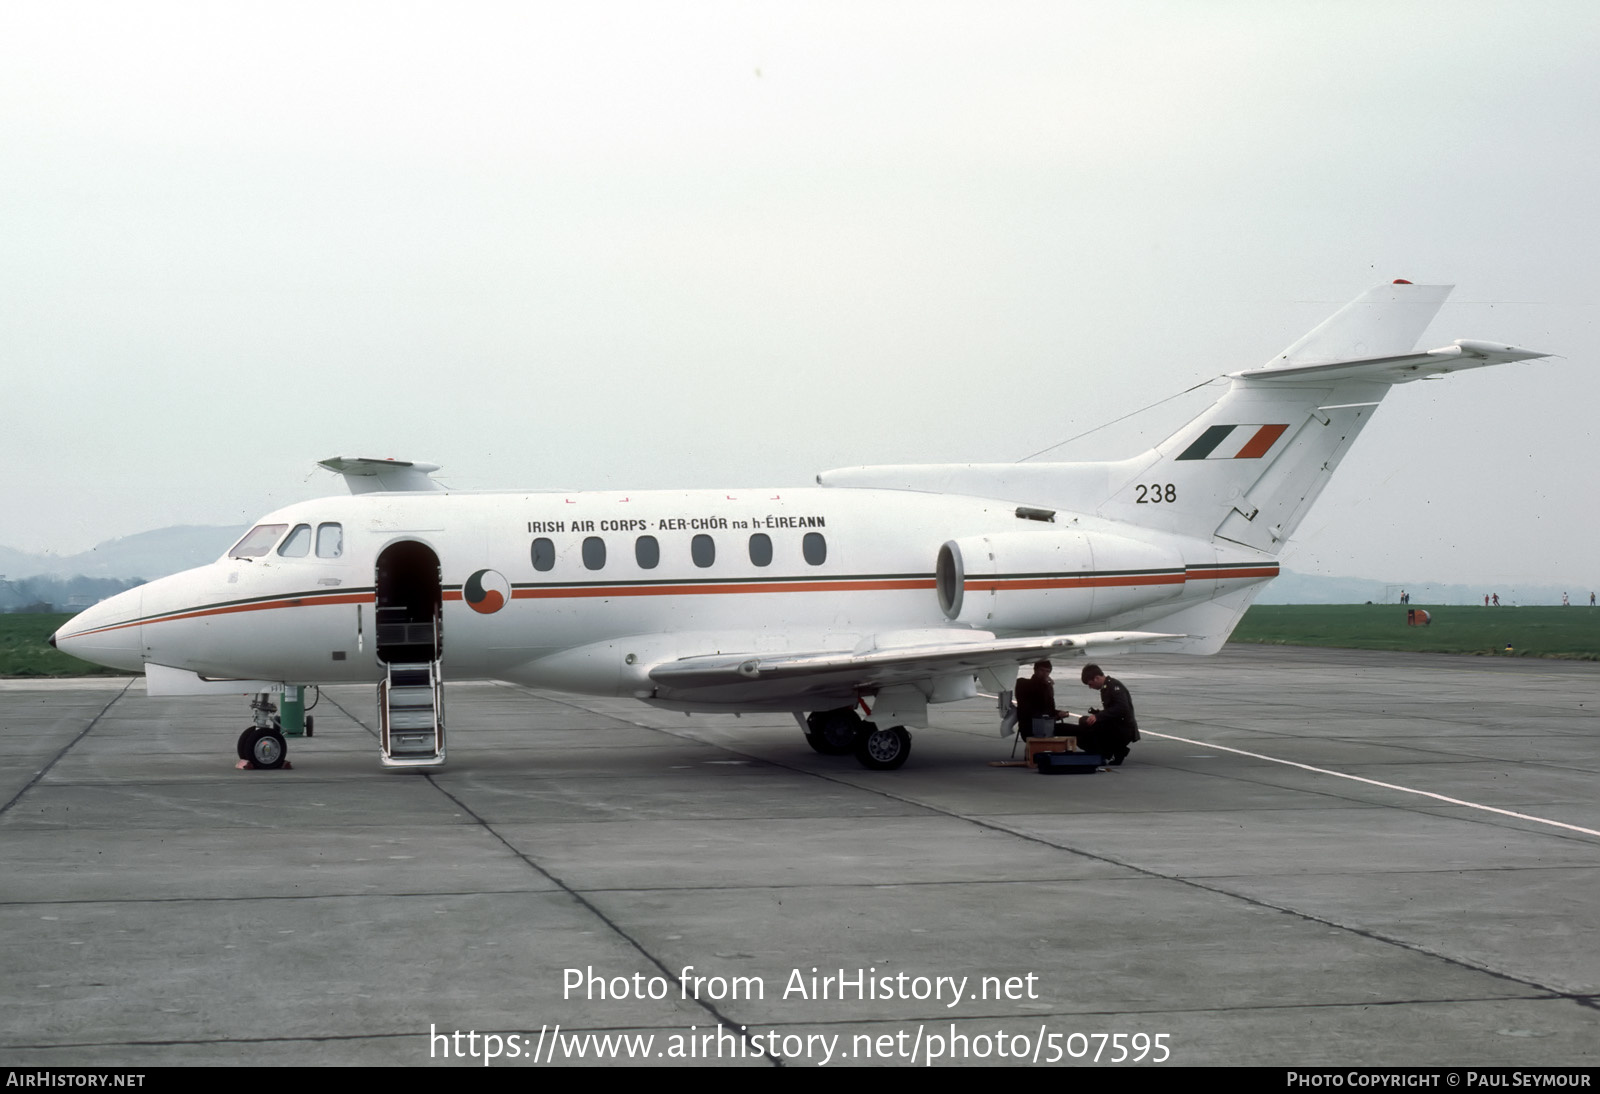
[{"x": 486, "y": 592}]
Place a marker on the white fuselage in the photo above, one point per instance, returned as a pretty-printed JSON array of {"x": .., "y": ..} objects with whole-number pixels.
[{"x": 527, "y": 597}]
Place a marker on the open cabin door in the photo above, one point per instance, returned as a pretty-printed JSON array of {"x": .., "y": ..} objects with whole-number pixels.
[{"x": 410, "y": 647}]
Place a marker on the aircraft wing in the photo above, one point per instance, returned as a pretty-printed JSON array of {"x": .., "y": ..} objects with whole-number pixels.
[{"x": 878, "y": 663}]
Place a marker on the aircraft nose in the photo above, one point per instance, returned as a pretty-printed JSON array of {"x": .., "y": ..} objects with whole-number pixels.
[{"x": 107, "y": 634}]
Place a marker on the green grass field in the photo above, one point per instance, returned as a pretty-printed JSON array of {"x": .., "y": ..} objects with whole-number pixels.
[
  {"x": 23, "y": 651},
  {"x": 1530, "y": 632}
]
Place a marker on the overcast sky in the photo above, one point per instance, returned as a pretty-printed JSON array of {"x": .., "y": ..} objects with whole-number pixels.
[{"x": 694, "y": 244}]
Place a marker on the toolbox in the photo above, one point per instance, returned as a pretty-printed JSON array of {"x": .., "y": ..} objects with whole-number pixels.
[{"x": 1068, "y": 763}]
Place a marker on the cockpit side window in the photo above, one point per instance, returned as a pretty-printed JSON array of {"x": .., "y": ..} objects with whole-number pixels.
[
  {"x": 257, "y": 541},
  {"x": 298, "y": 545},
  {"x": 330, "y": 540}
]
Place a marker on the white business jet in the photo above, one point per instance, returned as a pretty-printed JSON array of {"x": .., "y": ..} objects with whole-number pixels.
[{"x": 854, "y": 604}]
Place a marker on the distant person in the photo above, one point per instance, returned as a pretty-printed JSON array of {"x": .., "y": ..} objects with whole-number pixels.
[
  {"x": 1035, "y": 697},
  {"x": 1565, "y": 603},
  {"x": 1111, "y": 729},
  {"x": 1497, "y": 600},
  {"x": 1591, "y": 600},
  {"x": 1485, "y": 600}
]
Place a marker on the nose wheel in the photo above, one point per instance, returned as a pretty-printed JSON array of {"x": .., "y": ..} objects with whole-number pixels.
[
  {"x": 264, "y": 748},
  {"x": 261, "y": 745}
]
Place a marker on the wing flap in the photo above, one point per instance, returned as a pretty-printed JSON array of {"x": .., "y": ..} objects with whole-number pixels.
[{"x": 880, "y": 667}]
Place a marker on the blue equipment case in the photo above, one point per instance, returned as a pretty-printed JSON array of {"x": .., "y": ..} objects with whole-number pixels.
[{"x": 1068, "y": 763}]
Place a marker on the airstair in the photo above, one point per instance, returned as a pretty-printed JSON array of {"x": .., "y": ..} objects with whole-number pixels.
[
  {"x": 410, "y": 646},
  {"x": 411, "y": 697},
  {"x": 411, "y": 715}
]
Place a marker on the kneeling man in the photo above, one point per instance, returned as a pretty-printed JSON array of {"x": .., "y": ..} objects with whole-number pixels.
[{"x": 1111, "y": 729}]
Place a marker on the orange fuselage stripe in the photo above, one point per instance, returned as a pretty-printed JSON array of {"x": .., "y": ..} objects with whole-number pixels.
[
  {"x": 727, "y": 588},
  {"x": 1001, "y": 584},
  {"x": 548, "y": 592},
  {"x": 230, "y": 609}
]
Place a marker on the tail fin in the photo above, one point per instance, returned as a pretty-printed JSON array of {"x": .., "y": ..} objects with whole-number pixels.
[{"x": 1248, "y": 468}]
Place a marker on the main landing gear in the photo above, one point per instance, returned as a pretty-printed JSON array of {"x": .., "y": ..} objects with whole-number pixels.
[
  {"x": 842, "y": 732},
  {"x": 882, "y": 749}
]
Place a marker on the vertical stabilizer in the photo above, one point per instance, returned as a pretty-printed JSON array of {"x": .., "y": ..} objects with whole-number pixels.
[{"x": 1247, "y": 469}]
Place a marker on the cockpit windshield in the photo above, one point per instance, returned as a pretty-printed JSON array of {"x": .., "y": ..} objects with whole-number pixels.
[
  {"x": 298, "y": 545},
  {"x": 258, "y": 541}
]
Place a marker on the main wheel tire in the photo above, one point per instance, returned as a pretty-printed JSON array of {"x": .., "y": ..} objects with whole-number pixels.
[
  {"x": 311, "y": 725},
  {"x": 833, "y": 732},
  {"x": 268, "y": 749},
  {"x": 882, "y": 749},
  {"x": 244, "y": 742}
]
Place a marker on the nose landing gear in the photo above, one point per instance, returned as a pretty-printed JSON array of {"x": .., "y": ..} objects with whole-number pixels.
[
  {"x": 263, "y": 748},
  {"x": 262, "y": 745}
]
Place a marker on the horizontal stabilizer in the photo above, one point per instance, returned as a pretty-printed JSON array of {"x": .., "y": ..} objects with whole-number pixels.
[
  {"x": 1464, "y": 353},
  {"x": 368, "y": 476}
]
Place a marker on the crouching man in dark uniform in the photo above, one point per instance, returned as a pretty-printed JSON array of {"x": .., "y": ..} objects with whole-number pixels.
[
  {"x": 1036, "y": 698},
  {"x": 1111, "y": 729}
]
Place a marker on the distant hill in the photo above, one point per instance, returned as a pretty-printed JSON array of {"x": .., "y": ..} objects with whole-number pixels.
[{"x": 147, "y": 555}]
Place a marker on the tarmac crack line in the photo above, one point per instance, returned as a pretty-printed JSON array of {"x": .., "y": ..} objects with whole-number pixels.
[
  {"x": 1360, "y": 932},
  {"x": 1061, "y": 1015},
  {"x": 45, "y": 770},
  {"x": 1582, "y": 998},
  {"x": 289, "y": 1039},
  {"x": 582, "y": 901}
]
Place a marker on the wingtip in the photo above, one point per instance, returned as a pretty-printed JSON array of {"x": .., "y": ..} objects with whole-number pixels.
[{"x": 1498, "y": 350}]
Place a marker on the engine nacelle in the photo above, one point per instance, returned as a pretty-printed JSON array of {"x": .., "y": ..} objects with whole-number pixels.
[{"x": 1050, "y": 580}]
